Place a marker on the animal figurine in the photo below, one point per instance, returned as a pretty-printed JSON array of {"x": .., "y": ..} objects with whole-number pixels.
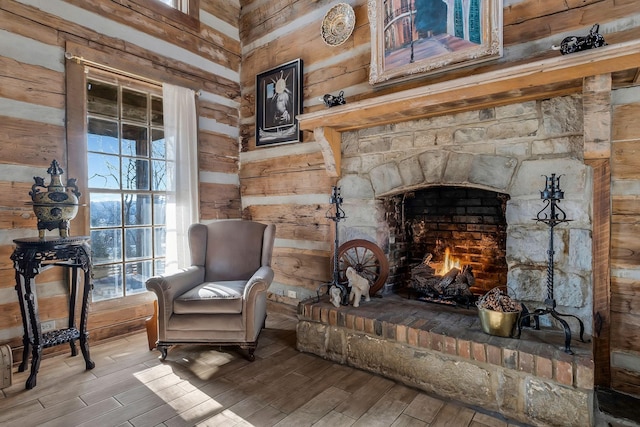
[
  {"x": 359, "y": 286},
  {"x": 331, "y": 101},
  {"x": 334, "y": 296},
  {"x": 573, "y": 44}
]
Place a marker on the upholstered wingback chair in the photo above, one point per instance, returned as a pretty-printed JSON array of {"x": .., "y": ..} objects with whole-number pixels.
[{"x": 221, "y": 298}]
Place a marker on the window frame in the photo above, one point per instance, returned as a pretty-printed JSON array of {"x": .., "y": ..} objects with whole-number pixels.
[
  {"x": 76, "y": 158},
  {"x": 191, "y": 18},
  {"x": 123, "y": 83}
]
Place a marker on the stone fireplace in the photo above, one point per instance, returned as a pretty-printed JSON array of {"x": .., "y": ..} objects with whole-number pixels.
[
  {"x": 502, "y": 151},
  {"x": 469, "y": 181}
]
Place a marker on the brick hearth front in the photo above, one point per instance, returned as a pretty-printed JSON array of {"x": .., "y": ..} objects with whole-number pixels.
[{"x": 442, "y": 350}]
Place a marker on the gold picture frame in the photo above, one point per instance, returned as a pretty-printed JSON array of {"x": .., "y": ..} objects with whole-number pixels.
[{"x": 411, "y": 38}]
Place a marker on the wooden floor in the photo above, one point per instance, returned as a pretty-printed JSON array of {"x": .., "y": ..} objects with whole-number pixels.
[{"x": 207, "y": 386}]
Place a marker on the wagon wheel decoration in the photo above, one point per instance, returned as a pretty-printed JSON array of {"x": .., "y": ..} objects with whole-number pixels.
[{"x": 367, "y": 259}]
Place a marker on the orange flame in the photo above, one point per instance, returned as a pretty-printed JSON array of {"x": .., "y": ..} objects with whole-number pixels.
[{"x": 449, "y": 263}]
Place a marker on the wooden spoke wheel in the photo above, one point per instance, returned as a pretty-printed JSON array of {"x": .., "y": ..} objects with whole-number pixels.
[{"x": 367, "y": 259}]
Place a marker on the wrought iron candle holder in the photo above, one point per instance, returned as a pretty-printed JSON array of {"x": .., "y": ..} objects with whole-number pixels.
[
  {"x": 552, "y": 215},
  {"x": 337, "y": 216}
]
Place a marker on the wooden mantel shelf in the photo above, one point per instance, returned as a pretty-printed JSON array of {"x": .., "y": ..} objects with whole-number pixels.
[{"x": 555, "y": 76}]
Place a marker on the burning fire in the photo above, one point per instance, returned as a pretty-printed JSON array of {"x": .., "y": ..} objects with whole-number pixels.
[{"x": 449, "y": 263}]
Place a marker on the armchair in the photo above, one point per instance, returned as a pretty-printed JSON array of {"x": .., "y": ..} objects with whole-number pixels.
[{"x": 221, "y": 298}]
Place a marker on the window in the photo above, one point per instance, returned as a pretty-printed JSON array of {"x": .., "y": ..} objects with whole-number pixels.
[
  {"x": 184, "y": 12},
  {"x": 127, "y": 184},
  {"x": 181, "y": 5}
]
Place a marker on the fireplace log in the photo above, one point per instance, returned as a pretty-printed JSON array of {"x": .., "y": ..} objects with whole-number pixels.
[
  {"x": 455, "y": 283},
  {"x": 447, "y": 279}
]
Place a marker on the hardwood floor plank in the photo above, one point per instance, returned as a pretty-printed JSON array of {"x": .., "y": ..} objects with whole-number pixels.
[
  {"x": 402, "y": 393},
  {"x": 270, "y": 391},
  {"x": 363, "y": 398},
  {"x": 196, "y": 414},
  {"x": 123, "y": 413},
  {"x": 484, "y": 420},
  {"x": 109, "y": 382},
  {"x": 247, "y": 407},
  {"x": 333, "y": 419},
  {"x": 424, "y": 408},
  {"x": 87, "y": 414},
  {"x": 453, "y": 415},
  {"x": 355, "y": 380},
  {"x": 298, "y": 396},
  {"x": 266, "y": 417},
  {"x": 324, "y": 402},
  {"x": 406, "y": 421},
  {"x": 383, "y": 413},
  {"x": 46, "y": 414}
]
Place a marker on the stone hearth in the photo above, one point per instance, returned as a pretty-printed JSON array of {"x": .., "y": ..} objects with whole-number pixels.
[{"x": 442, "y": 350}]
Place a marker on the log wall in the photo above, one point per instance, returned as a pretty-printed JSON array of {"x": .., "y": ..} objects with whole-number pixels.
[
  {"x": 133, "y": 36},
  {"x": 625, "y": 241}
]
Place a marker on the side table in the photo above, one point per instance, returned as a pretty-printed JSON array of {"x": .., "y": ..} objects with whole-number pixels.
[{"x": 30, "y": 257}]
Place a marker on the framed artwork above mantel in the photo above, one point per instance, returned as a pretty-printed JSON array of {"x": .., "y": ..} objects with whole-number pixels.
[
  {"x": 278, "y": 103},
  {"x": 411, "y": 38}
]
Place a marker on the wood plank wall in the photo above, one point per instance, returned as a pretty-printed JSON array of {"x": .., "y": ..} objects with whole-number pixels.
[
  {"x": 625, "y": 242},
  {"x": 128, "y": 35},
  {"x": 283, "y": 184}
]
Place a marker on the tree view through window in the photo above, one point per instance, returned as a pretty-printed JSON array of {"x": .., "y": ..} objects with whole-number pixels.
[{"x": 127, "y": 187}]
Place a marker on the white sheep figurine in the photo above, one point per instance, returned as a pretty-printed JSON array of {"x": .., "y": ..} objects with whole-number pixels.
[{"x": 359, "y": 286}]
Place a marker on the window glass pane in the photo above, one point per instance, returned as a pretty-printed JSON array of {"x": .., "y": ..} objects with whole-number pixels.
[
  {"x": 160, "y": 241},
  {"x": 134, "y": 141},
  {"x": 106, "y": 209},
  {"x": 159, "y": 175},
  {"x": 103, "y": 171},
  {"x": 102, "y": 98},
  {"x": 107, "y": 282},
  {"x": 102, "y": 136},
  {"x": 106, "y": 245},
  {"x": 138, "y": 243},
  {"x": 159, "y": 267},
  {"x": 172, "y": 3},
  {"x": 157, "y": 115},
  {"x": 159, "y": 209},
  {"x": 137, "y": 209},
  {"x": 136, "y": 274},
  {"x": 134, "y": 106},
  {"x": 158, "y": 148},
  {"x": 135, "y": 174},
  {"x": 126, "y": 158}
]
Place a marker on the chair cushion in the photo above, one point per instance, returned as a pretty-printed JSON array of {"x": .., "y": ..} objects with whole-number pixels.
[{"x": 223, "y": 297}]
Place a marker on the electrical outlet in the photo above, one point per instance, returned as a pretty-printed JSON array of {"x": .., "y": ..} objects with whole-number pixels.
[
  {"x": 292, "y": 294},
  {"x": 48, "y": 326}
]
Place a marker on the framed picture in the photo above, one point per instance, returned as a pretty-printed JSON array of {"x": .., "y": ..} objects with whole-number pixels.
[
  {"x": 412, "y": 37},
  {"x": 278, "y": 103}
]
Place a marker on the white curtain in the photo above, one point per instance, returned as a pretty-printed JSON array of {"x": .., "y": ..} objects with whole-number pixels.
[{"x": 180, "y": 133}]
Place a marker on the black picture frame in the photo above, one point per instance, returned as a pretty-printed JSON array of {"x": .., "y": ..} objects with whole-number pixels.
[{"x": 278, "y": 104}]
